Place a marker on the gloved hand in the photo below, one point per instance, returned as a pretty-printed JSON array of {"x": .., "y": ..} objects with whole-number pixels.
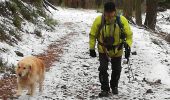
[
  {"x": 92, "y": 53},
  {"x": 127, "y": 50}
]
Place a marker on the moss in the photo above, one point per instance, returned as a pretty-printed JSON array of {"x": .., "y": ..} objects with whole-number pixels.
[
  {"x": 38, "y": 3},
  {"x": 34, "y": 13},
  {"x": 41, "y": 13},
  {"x": 12, "y": 6},
  {"x": 17, "y": 21},
  {"x": 50, "y": 22},
  {"x": 18, "y": 2},
  {"x": 20, "y": 7},
  {"x": 27, "y": 14}
]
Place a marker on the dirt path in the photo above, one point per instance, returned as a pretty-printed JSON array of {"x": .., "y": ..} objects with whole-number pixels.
[{"x": 52, "y": 54}]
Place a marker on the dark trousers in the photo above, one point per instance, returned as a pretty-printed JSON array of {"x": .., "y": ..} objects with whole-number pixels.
[{"x": 103, "y": 74}]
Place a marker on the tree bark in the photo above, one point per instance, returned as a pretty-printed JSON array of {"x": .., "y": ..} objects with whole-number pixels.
[
  {"x": 138, "y": 12},
  {"x": 151, "y": 13},
  {"x": 128, "y": 9}
]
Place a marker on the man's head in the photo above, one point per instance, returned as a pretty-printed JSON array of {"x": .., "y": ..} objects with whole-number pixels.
[{"x": 109, "y": 10}]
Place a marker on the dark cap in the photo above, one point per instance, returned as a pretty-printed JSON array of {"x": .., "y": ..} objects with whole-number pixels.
[{"x": 109, "y": 7}]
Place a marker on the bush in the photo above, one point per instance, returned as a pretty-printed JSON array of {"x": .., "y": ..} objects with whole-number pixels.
[
  {"x": 26, "y": 14},
  {"x": 50, "y": 22},
  {"x": 18, "y": 11},
  {"x": 41, "y": 12},
  {"x": 12, "y": 6},
  {"x": 17, "y": 21}
]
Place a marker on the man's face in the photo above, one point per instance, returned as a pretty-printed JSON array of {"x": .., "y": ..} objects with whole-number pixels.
[{"x": 109, "y": 16}]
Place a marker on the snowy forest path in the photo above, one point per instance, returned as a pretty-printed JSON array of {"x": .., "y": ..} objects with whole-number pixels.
[
  {"x": 49, "y": 56},
  {"x": 73, "y": 75}
]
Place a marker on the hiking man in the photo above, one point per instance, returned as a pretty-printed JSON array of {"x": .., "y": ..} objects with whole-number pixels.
[{"x": 112, "y": 33}]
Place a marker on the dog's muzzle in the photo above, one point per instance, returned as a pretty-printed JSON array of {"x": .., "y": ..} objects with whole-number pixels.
[{"x": 20, "y": 75}]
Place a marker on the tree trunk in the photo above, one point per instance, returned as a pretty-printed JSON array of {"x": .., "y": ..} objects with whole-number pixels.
[
  {"x": 128, "y": 9},
  {"x": 99, "y": 3},
  {"x": 151, "y": 13},
  {"x": 82, "y": 3},
  {"x": 138, "y": 12},
  {"x": 67, "y": 3},
  {"x": 74, "y": 4},
  {"x": 118, "y": 3}
]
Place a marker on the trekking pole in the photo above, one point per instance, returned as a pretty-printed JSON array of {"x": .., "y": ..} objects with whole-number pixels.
[{"x": 130, "y": 70}]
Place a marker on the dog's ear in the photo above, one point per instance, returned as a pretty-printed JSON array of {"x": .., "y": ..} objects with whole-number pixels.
[{"x": 16, "y": 67}]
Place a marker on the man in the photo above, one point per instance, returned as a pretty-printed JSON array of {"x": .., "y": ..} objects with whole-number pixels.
[{"x": 106, "y": 29}]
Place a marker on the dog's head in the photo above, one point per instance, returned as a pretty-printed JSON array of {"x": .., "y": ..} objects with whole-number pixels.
[{"x": 23, "y": 69}]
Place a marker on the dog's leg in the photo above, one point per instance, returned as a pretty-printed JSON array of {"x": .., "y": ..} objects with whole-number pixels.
[
  {"x": 42, "y": 76},
  {"x": 19, "y": 90},
  {"x": 32, "y": 89},
  {"x": 29, "y": 90},
  {"x": 41, "y": 84}
]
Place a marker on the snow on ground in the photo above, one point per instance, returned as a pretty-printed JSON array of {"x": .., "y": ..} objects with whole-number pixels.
[
  {"x": 3, "y": 0},
  {"x": 163, "y": 21},
  {"x": 75, "y": 76},
  {"x": 31, "y": 44}
]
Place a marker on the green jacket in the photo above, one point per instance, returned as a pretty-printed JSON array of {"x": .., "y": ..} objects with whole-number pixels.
[{"x": 95, "y": 35}]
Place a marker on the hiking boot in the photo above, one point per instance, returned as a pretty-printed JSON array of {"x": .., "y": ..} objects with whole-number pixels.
[
  {"x": 104, "y": 94},
  {"x": 115, "y": 90}
]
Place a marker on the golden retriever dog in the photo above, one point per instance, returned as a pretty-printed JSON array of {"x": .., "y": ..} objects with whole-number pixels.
[{"x": 30, "y": 71}]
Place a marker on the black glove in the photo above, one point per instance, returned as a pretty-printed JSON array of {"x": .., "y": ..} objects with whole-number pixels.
[
  {"x": 127, "y": 50},
  {"x": 92, "y": 53}
]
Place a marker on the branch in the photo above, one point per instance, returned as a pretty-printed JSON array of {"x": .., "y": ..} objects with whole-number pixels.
[
  {"x": 45, "y": 6},
  {"x": 49, "y": 4}
]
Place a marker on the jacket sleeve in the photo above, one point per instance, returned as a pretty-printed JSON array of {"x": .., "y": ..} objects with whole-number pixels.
[
  {"x": 127, "y": 30},
  {"x": 94, "y": 32}
]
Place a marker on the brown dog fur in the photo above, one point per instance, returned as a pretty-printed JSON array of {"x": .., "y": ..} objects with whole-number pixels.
[{"x": 30, "y": 70}]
